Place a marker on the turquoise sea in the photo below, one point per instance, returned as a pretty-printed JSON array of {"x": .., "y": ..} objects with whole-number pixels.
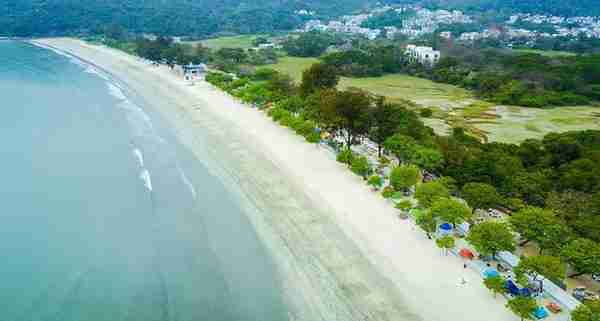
[{"x": 104, "y": 216}]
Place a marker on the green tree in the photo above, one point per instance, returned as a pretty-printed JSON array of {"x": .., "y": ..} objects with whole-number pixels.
[
  {"x": 580, "y": 175},
  {"x": 481, "y": 195},
  {"x": 588, "y": 311},
  {"x": 522, "y": 306},
  {"x": 451, "y": 210},
  {"x": 427, "y": 193},
  {"x": 429, "y": 159},
  {"x": 401, "y": 146},
  {"x": 427, "y": 222},
  {"x": 404, "y": 177},
  {"x": 446, "y": 243},
  {"x": 318, "y": 77},
  {"x": 386, "y": 118},
  {"x": 541, "y": 226},
  {"x": 496, "y": 284},
  {"x": 491, "y": 237},
  {"x": 308, "y": 44},
  {"x": 548, "y": 266},
  {"x": 583, "y": 255},
  {"x": 346, "y": 113}
]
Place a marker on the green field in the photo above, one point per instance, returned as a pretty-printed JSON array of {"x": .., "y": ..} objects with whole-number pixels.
[
  {"x": 293, "y": 66},
  {"x": 399, "y": 86},
  {"x": 396, "y": 86},
  {"x": 549, "y": 53},
  {"x": 243, "y": 41},
  {"x": 454, "y": 106}
]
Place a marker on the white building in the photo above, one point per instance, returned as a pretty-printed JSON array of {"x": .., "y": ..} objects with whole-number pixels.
[{"x": 423, "y": 55}]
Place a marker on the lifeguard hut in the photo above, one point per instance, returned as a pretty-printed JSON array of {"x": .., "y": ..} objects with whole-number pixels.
[{"x": 193, "y": 72}]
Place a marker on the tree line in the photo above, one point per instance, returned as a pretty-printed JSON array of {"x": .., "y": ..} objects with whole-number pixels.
[
  {"x": 169, "y": 18},
  {"x": 165, "y": 50}
]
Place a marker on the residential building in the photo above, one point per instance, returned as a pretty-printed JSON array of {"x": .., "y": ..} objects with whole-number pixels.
[{"x": 423, "y": 55}]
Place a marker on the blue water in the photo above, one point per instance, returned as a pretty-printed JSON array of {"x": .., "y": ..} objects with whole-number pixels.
[{"x": 103, "y": 216}]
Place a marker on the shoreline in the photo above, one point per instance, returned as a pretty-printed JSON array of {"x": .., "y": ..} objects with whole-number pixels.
[{"x": 347, "y": 245}]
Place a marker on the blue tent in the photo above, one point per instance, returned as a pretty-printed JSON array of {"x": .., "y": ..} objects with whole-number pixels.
[
  {"x": 540, "y": 313},
  {"x": 512, "y": 288},
  {"x": 446, "y": 227},
  {"x": 490, "y": 273},
  {"x": 525, "y": 292}
]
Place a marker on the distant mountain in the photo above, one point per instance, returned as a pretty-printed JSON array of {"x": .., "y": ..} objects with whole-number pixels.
[
  {"x": 172, "y": 17},
  {"x": 205, "y": 17}
]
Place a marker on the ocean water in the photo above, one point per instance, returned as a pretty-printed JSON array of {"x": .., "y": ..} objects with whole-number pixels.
[{"x": 104, "y": 216}]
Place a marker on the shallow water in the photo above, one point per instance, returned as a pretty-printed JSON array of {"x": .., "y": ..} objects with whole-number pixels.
[{"x": 105, "y": 217}]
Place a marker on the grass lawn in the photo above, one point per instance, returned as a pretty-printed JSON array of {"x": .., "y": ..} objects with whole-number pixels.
[
  {"x": 399, "y": 86},
  {"x": 549, "y": 53},
  {"x": 293, "y": 66},
  {"x": 242, "y": 41},
  {"x": 396, "y": 86}
]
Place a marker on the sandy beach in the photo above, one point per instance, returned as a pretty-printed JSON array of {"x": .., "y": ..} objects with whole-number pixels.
[{"x": 341, "y": 249}]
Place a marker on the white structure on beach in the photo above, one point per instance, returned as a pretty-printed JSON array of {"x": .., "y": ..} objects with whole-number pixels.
[
  {"x": 191, "y": 71},
  {"x": 423, "y": 55}
]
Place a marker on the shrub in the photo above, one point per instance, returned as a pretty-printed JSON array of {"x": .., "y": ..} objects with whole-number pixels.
[
  {"x": 287, "y": 119},
  {"x": 426, "y": 112},
  {"x": 360, "y": 166},
  {"x": 404, "y": 205},
  {"x": 296, "y": 124},
  {"x": 218, "y": 79},
  {"x": 293, "y": 104},
  {"x": 388, "y": 192},
  {"x": 238, "y": 83},
  {"x": 375, "y": 181},
  {"x": 277, "y": 113},
  {"x": 264, "y": 74},
  {"x": 313, "y": 137},
  {"x": 345, "y": 156},
  {"x": 306, "y": 128}
]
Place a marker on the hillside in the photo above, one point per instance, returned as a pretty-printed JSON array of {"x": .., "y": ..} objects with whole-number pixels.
[
  {"x": 554, "y": 7},
  {"x": 172, "y": 17}
]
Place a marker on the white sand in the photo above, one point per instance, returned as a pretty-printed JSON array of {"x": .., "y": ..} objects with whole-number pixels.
[{"x": 343, "y": 253}]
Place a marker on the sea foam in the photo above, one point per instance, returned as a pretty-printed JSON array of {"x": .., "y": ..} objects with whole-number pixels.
[
  {"x": 115, "y": 91},
  {"x": 139, "y": 156},
  {"x": 145, "y": 176},
  {"x": 187, "y": 182}
]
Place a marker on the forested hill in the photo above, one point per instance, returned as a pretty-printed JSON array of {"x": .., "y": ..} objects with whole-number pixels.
[
  {"x": 553, "y": 7},
  {"x": 172, "y": 17}
]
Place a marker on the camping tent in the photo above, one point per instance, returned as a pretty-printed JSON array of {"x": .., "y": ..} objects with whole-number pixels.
[
  {"x": 445, "y": 229},
  {"x": 540, "y": 313},
  {"x": 512, "y": 288},
  {"x": 466, "y": 253},
  {"x": 490, "y": 273}
]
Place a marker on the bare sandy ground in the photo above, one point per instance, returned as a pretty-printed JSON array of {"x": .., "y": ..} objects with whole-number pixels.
[{"x": 342, "y": 252}]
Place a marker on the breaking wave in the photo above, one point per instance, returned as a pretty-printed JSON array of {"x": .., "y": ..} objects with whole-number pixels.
[{"x": 145, "y": 177}]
